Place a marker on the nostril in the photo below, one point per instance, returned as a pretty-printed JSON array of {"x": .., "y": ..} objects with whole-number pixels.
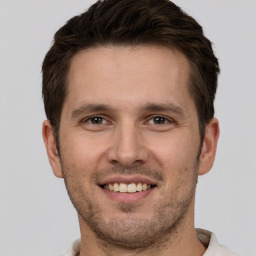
[{"x": 114, "y": 162}]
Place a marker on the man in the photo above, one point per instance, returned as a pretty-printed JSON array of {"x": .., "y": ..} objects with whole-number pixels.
[{"x": 128, "y": 88}]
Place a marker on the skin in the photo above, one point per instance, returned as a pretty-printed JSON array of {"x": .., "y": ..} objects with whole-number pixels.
[{"x": 138, "y": 86}]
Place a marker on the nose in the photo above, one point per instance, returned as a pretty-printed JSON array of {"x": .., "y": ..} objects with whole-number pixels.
[{"x": 127, "y": 147}]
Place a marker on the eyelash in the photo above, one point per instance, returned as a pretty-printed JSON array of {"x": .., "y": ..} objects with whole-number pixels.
[
  {"x": 166, "y": 120},
  {"x": 94, "y": 117}
]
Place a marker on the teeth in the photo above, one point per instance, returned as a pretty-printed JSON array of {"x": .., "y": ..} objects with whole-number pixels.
[
  {"x": 116, "y": 187},
  {"x": 144, "y": 187},
  {"x": 139, "y": 187},
  {"x": 111, "y": 187},
  {"x": 123, "y": 188},
  {"x": 130, "y": 188}
]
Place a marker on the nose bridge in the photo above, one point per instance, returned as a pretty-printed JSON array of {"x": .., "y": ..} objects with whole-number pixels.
[{"x": 127, "y": 147}]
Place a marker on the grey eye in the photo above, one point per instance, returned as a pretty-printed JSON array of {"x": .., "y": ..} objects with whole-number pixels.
[
  {"x": 158, "y": 120},
  {"x": 96, "y": 120}
]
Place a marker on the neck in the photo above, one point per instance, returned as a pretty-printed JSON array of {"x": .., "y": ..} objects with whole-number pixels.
[{"x": 183, "y": 241}]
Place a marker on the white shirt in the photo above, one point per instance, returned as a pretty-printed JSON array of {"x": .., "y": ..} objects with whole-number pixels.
[
  {"x": 210, "y": 241},
  {"x": 207, "y": 238}
]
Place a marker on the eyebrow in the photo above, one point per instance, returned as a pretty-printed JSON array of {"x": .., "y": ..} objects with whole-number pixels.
[
  {"x": 90, "y": 108},
  {"x": 150, "y": 107}
]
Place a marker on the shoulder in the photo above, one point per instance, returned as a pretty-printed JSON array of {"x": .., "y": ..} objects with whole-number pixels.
[
  {"x": 73, "y": 249},
  {"x": 214, "y": 248}
]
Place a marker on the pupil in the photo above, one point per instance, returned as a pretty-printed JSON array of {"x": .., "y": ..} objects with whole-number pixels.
[
  {"x": 159, "y": 120},
  {"x": 96, "y": 120}
]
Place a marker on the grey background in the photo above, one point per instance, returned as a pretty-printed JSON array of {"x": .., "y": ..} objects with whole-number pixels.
[{"x": 36, "y": 217}]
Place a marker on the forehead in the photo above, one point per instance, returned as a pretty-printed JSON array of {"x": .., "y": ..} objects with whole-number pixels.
[{"x": 120, "y": 75}]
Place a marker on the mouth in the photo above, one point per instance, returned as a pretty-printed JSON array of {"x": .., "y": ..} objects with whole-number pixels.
[{"x": 127, "y": 188}]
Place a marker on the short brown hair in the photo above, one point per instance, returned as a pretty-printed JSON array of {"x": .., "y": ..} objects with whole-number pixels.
[{"x": 131, "y": 22}]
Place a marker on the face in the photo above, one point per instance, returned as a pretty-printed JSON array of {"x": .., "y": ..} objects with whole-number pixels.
[{"x": 129, "y": 143}]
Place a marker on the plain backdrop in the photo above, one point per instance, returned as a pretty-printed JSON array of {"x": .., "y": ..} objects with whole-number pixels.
[{"x": 36, "y": 216}]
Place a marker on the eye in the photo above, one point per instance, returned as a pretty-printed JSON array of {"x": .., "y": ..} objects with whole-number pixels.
[
  {"x": 159, "y": 120},
  {"x": 96, "y": 120},
  {"x": 95, "y": 123}
]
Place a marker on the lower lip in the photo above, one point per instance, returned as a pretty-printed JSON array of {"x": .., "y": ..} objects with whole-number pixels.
[{"x": 127, "y": 197}]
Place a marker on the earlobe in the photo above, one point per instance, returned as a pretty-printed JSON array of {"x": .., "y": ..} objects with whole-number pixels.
[
  {"x": 209, "y": 146},
  {"x": 52, "y": 152}
]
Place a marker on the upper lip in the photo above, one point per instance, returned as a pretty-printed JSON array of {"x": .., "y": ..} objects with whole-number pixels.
[{"x": 128, "y": 180}]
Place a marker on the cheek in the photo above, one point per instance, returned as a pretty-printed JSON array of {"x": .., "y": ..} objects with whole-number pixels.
[
  {"x": 177, "y": 158},
  {"x": 82, "y": 154},
  {"x": 174, "y": 151}
]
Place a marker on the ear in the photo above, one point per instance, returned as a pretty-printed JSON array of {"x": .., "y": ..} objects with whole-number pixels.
[
  {"x": 209, "y": 146},
  {"x": 51, "y": 148}
]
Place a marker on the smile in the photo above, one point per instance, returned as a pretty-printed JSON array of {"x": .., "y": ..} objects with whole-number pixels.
[{"x": 127, "y": 188}]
